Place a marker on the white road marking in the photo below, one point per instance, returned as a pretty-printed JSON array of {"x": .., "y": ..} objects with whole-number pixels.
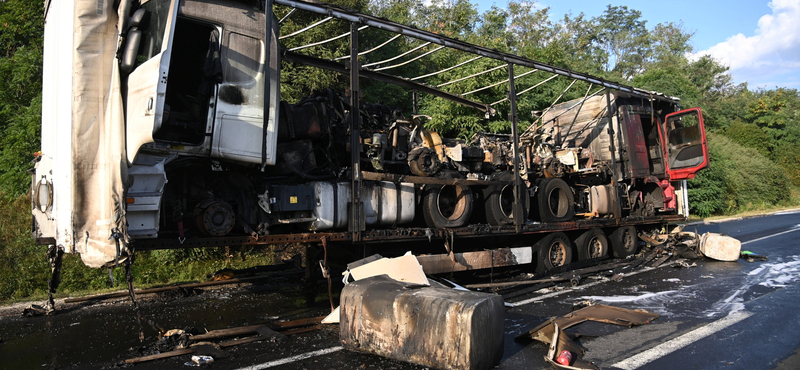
[
  {"x": 673, "y": 345},
  {"x": 289, "y": 360},
  {"x": 794, "y": 228},
  {"x": 548, "y": 295}
]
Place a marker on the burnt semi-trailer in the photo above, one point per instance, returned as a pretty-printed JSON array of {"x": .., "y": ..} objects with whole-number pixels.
[{"x": 163, "y": 127}]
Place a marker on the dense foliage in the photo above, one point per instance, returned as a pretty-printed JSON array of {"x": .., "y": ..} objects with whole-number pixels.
[
  {"x": 754, "y": 135},
  {"x": 21, "y": 45}
]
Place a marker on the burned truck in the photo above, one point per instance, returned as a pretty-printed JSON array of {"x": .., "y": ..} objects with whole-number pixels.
[{"x": 163, "y": 127}]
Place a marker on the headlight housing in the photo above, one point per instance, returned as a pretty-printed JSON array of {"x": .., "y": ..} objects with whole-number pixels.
[{"x": 44, "y": 195}]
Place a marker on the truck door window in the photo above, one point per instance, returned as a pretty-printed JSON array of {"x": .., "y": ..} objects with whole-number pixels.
[
  {"x": 684, "y": 141},
  {"x": 242, "y": 71},
  {"x": 153, "y": 32}
]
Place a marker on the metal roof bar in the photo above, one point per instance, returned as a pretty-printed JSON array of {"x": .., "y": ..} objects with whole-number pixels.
[
  {"x": 397, "y": 56},
  {"x": 289, "y": 14},
  {"x": 528, "y": 89},
  {"x": 446, "y": 69},
  {"x": 474, "y": 75},
  {"x": 499, "y": 83},
  {"x": 575, "y": 119},
  {"x": 552, "y": 105},
  {"x": 328, "y": 40},
  {"x": 410, "y": 60},
  {"x": 337, "y": 12},
  {"x": 395, "y": 37},
  {"x": 585, "y": 98},
  {"x": 295, "y": 33},
  {"x": 411, "y": 85}
]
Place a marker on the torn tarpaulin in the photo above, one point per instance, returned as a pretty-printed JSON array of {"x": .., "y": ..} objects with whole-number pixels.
[{"x": 552, "y": 331}]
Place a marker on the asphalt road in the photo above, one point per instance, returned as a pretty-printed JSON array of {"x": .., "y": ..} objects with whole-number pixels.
[{"x": 718, "y": 315}]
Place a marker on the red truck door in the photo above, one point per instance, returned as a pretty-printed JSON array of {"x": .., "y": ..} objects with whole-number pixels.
[{"x": 685, "y": 147}]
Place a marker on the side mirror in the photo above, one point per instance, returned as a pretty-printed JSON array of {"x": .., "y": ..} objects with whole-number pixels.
[
  {"x": 138, "y": 19},
  {"x": 130, "y": 50},
  {"x": 132, "y": 41}
]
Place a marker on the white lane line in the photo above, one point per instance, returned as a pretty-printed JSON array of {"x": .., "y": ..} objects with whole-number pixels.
[
  {"x": 673, "y": 345},
  {"x": 289, "y": 360},
  {"x": 548, "y": 295},
  {"x": 769, "y": 236}
]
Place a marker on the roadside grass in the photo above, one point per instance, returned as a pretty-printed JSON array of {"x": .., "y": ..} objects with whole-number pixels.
[{"x": 24, "y": 269}]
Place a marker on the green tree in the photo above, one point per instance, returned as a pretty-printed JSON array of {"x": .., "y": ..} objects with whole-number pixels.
[
  {"x": 624, "y": 39},
  {"x": 768, "y": 112},
  {"x": 21, "y": 33}
]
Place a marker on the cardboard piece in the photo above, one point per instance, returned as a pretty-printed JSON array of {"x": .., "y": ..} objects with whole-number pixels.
[{"x": 404, "y": 269}]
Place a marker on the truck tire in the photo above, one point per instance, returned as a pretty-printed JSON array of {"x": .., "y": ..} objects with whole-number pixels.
[
  {"x": 553, "y": 251},
  {"x": 592, "y": 244},
  {"x": 624, "y": 241},
  {"x": 555, "y": 200},
  {"x": 499, "y": 201},
  {"x": 447, "y": 206}
]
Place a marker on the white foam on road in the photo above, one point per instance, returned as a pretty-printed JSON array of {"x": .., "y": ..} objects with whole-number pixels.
[
  {"x": 554, "y": 294},
  {"x": 664, "y": 303},
  {"x": 771, "y": 275},
  {"x": 673, "y": 345},
  {"x": 778, "y": 275},
  {"x": 289, "y": 360},
  {"x": 628, "y": 298}
]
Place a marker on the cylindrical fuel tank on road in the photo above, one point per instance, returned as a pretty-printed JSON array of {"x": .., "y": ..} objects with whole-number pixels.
[
  {"x": 385, "y": 203},
  {"x": 437, "y": 327}
]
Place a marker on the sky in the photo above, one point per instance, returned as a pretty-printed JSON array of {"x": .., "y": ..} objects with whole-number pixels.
[{"x": 758, "y": 39}]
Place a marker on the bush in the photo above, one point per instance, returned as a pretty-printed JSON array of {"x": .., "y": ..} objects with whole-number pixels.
[
  {"x": 24, "y": 270},
  {"x": 739, "y": 179},
  {"x": 751, "y": 136}
]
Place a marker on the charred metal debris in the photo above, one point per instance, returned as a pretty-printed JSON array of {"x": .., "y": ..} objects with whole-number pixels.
[{"x": 678, "y": 248}]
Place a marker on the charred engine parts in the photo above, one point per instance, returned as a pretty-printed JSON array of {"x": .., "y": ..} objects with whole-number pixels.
[{"x": 565, "y": 168}]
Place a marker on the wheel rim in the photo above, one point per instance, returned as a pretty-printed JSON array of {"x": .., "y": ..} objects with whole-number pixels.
[
  {"x": 507, "y": 201},
  {"x": 451, "y": 202},
  {"x": 557, "y": 202},
  {"x": 557, "y": 253},
  {"x": 627, "y": 241},
  {"x": 596, "y": 248}
]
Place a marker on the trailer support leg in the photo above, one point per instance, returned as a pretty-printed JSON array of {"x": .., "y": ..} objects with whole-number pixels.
[
  {"x": 326, "y": 272},
  {"x": 355, "y": 209},
  {"x": 55, "y": 256},
  {"x": 517, "y": 210}
]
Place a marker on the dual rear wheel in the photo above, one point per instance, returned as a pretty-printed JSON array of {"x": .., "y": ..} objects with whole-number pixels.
[{"x": 556, "y": 249}]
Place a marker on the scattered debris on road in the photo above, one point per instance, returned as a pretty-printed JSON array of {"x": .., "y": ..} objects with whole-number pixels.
[
  {"x": 751, "y": 257},
  {"x": 35, "y": 310},
  {"x": 661, "y": 249},
  {"x": 552, "y": 331},
  {"x": 200, "y": 360},
  {"x": 178, "y": 342}
]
